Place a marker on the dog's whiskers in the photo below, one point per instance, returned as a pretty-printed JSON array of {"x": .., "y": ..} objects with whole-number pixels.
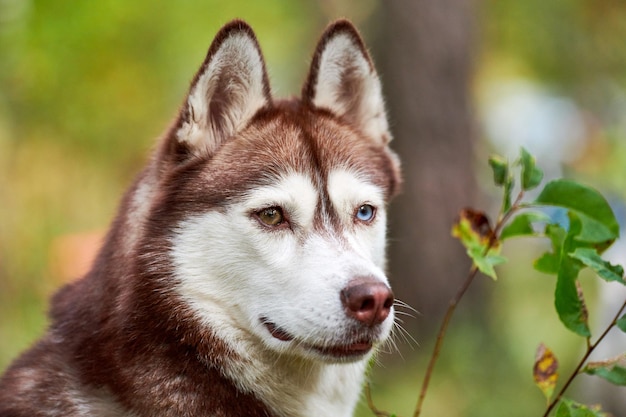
[
  {"x": 406, "y": 335},
  {"x": 399, "y": 304}
]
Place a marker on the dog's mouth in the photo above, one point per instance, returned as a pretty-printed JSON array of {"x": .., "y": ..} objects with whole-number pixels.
[
  {"x": 354, "y": 349},
  {"x": 276, "y": 331},
  {"x": 345, "y": 351}
]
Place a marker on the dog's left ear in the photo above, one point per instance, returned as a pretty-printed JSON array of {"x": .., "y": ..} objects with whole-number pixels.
[
  {"x": 343, "y": 79},
  {"x": 228, "y": 90}
]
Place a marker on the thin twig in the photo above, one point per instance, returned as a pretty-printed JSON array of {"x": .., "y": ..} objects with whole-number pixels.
[
  {"x": 455, "y": 301},
  {"x": 583, "y": 360},
  {"x": 370, "y": 403},
  {"x": 440, "y": 335}
]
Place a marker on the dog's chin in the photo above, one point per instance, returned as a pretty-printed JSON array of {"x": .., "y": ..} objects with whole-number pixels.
[{"x": 351, "y": 351}]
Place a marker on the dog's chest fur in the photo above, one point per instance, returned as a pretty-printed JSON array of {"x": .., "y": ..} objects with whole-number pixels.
[{"x": 244, "y": 273}]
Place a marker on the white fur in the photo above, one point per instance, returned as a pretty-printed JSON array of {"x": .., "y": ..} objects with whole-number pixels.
[
  {"x": 98, "y": 403},
  {"x": 239, "y": 61},
  {"x": 368, "y": 111},
  {"x": 349, "y": 190},
  {"x": 233, "y": 270}
]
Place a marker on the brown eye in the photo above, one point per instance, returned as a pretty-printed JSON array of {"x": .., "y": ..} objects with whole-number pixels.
[{"x": 271, "y": 216}]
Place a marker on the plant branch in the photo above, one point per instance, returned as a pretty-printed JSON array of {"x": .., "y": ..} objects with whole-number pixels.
[
  {"x": 502, "y": 219},
  {"x": 370, "y": 403},
  {"x": 590, "y": 348},
  {"x": 440, "y": 336}
]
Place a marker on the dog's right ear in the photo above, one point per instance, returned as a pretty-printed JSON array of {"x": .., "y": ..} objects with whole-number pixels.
[{"x": 228, "y": 90}]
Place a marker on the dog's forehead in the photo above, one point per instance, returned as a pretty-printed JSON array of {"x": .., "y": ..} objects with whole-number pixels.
[
  {"x": 310, "y": 143},
  {"x": 314, "y": 145}
]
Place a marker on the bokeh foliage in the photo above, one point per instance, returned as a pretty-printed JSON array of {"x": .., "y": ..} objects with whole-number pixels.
[
  {"x": 570, "y": 43},
  {"x": 85, "y": 87}
]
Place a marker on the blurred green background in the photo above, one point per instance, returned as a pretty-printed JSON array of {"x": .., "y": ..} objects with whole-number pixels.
[{"x": 86, "y": 87}]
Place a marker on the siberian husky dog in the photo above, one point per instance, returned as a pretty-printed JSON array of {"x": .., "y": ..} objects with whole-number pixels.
[{"x": 244, "y": 272}]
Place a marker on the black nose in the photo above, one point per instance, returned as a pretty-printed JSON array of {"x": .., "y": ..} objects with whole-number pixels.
[{"x": 367, "y": 300}]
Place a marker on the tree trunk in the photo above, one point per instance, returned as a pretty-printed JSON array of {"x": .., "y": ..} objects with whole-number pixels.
[{"x": 425, "y": 59}]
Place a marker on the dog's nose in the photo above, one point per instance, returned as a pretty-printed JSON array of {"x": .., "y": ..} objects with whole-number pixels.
[{"x": 367, "y": 300}]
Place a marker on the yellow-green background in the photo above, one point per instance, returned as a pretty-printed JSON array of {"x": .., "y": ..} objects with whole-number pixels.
[{"x": 85, "y": 87}]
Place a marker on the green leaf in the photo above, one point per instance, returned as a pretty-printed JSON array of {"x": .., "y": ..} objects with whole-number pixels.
[
  {"x": 522, "y": 224},
  {"x": 613, "y": 370},
  {"x": 568, "y": 301},
  {"x": 563, "y": 411},
  {"x": 602, "y": 268},
  {"x": 569, "y": 408},
  {"x": 506, "y": 196},
  {"x": 594, "y": 232},
  {"x": 599, "y": 222},
  {"x": 485, "y": 264},
  {"x": 500, "y": 168},
  {"x": 549, "y": 262},
  {"x": 621, "y": 323},
  {"x": 568, "y": 298},
  {"x": 616, "y": 375},
  {"x": 557, "y": 235},
  {"x": 531, "y": 175}
]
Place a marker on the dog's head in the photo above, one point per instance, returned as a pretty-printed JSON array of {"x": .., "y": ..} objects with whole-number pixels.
[{"x": 275, "y": 211}]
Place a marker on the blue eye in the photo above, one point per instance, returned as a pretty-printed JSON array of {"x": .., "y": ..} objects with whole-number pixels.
[{"x": 365, "y": 213}]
